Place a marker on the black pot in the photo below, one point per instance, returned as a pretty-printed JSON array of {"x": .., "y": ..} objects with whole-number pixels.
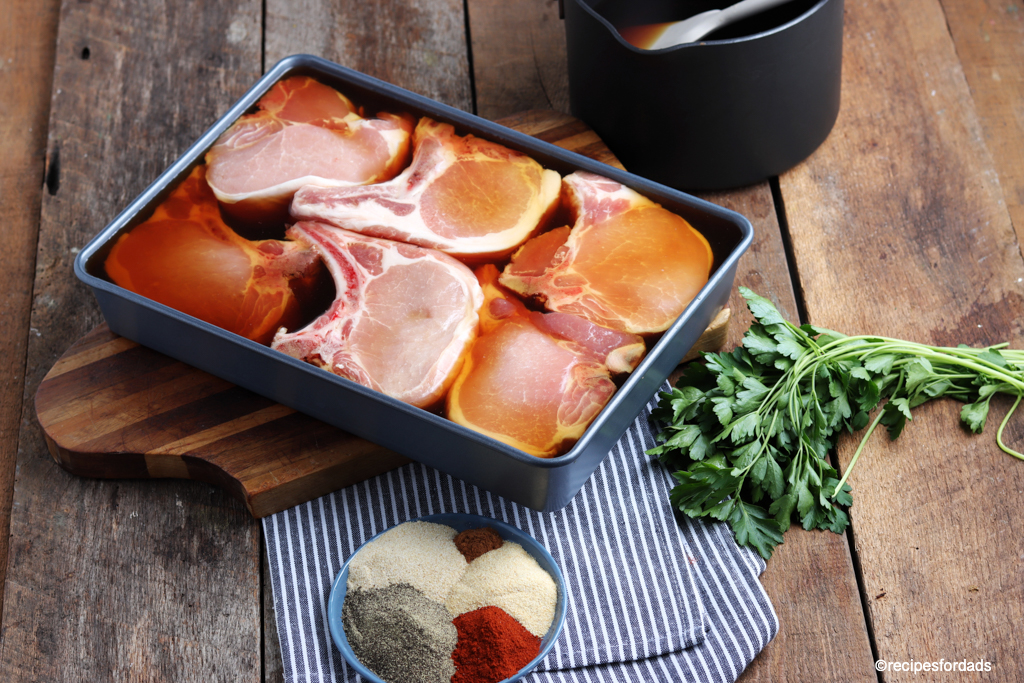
[{"x": 747, "y": 103}]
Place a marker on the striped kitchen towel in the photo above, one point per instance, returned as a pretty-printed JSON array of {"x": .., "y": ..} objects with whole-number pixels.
[{"x": 650, "y": 597}]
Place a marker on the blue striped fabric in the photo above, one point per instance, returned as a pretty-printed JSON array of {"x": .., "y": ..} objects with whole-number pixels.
[{"x": 663, "y": 599}]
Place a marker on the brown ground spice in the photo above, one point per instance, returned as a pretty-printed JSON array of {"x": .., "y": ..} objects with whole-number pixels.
[{"x": 473, "y": 543}]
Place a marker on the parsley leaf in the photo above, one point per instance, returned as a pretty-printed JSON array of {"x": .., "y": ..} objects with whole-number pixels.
[{"x": 749, "y": 432}]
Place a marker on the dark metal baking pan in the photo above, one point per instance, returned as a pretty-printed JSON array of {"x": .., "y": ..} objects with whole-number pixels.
[{"x": 542, "y": 484}]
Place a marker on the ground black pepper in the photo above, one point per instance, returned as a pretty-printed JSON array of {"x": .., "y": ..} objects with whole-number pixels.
[{"x": 400, "y": 634}]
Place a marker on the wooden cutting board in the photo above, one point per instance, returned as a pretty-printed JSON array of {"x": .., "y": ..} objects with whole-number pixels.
[{"x": 111, "y": 408}]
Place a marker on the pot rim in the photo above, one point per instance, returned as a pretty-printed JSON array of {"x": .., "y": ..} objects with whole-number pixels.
[{"x": 585, "y": 6}]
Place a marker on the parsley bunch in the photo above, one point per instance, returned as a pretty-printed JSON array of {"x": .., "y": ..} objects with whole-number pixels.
[{"x": 749, "y": 432}]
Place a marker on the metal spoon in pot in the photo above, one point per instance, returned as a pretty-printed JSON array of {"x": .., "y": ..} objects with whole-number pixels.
[{"x": 660, "y": 36}]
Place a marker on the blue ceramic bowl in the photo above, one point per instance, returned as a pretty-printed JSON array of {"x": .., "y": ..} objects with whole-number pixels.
[{"x": 459, "y": 522}]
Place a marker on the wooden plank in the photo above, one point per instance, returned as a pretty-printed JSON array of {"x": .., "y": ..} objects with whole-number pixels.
[
  {"x": 562, "y": 130},
  {"x": 518, "y": 56},
  {"x": 27, "y": 37},
  {"x": 419, "y": 45},
  {"x": 810, "y": 577},
  {"x": 122, "y": 580},
  {"x": 989, "y": 39},
  {"x": 273, "y": 667},
  {"x": 519, "y": 60},
  {"x": 899, "y": 227},
  {"x": 129, "y": 412}
]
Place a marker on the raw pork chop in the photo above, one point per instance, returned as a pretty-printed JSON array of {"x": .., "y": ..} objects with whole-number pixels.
[
  {"x": 304, "y": 133},
  {"x": 627, "y": 263},
  {"x": 465, "y": 196},
  {"x": 402, "y": 320},
  {"x": 536, "y": 380},
  {"x": 185, "y": 257}
]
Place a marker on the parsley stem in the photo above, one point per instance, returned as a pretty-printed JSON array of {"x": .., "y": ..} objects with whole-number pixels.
[
  {"x": 1002, "y": 425},
  {"x": 856, "y": 454},
  {"x": 966, "y": 358}
]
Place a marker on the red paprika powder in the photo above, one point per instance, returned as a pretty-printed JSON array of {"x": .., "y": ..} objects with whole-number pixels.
[{"x": 492, "y": 646}]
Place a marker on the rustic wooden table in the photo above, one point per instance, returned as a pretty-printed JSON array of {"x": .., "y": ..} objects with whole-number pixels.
[{"x": 905, "y": 223}]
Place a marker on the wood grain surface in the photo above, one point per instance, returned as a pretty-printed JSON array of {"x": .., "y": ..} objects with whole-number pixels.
[
  {"x": 126, "y": 580},
  {"x": 822, "y": 632},
  {"x": 518, "y": 56},
  {"x": 920, "y": 247},
  {"x": 27, "y": 37},
  {"x": 112, "y": 409},
  {"x": 989, "y": 40},
  {"x": 419, "y": 45},
  {"x": 902, "y": 223}
]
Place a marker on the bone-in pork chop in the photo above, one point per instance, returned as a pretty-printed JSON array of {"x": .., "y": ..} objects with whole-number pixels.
[
  {"x": 467, "y": 197},
  {"x": 536, "y": 380},
  {"x": 304, "y": 133},
  {"x": 627, "y": 263},
  {"x": 402, "y": 320},
  {"x": 185, "y": 257}
]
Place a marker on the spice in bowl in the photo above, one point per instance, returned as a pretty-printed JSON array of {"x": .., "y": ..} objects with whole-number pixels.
[
  {"x": 492, "y": 646},
  {"x": 509, "y": 578},
  {"x": 425, "y": 604},
  {"x": 401, "y": 634},
  {"x": 473, "y": 543}
]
